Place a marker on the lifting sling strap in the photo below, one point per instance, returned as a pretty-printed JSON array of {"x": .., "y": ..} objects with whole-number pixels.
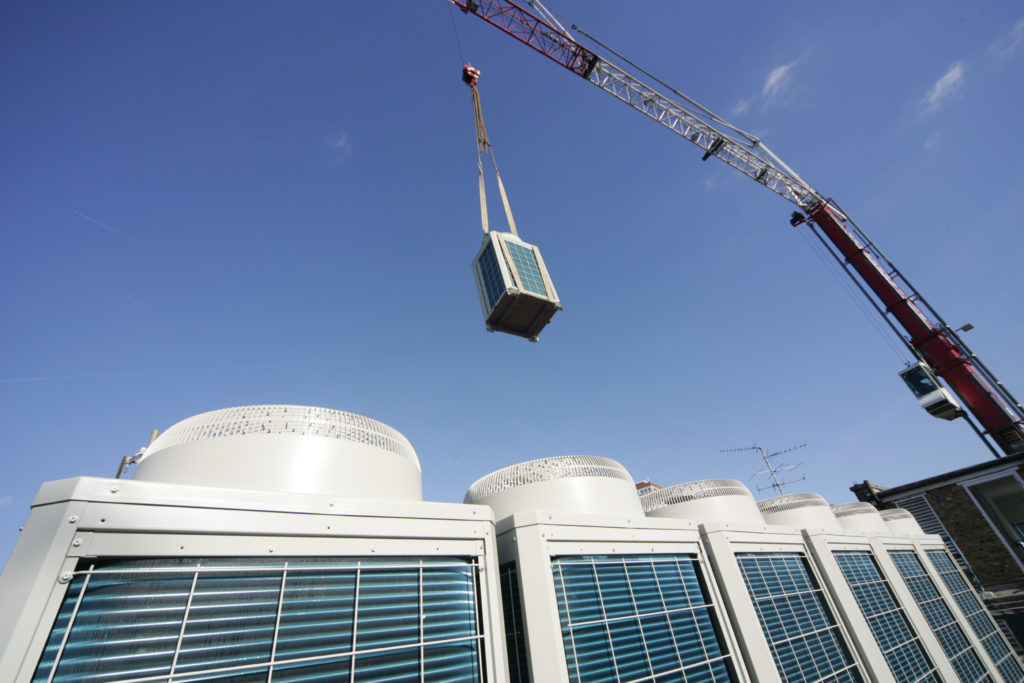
[{"x": 483, "y": 146}]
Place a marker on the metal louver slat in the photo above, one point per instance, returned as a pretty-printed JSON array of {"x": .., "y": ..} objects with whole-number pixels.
[
  {"x": 931, "y": 524},
  {"x": 895, "y": 636},
  {"x": 952, "y": 639},
  {"x": 249, "y": 618},
  {"x": 637, "y": 618},
  {"x": 804, "y": 638},
  {"x": 978, "y": 619}
]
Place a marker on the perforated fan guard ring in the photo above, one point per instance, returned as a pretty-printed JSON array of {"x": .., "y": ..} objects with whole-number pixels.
[
  {"x": 792, "y": 501},
  {"x": 850, "y": 509},
  {"x": 545, "y": 469},
  {"x": 284, "y": 419},
  {"x": 898, "y": 513},
  {"x": 694, "y": 490}
]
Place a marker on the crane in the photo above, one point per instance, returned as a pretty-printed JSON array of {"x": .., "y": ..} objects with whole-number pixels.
[{"x": 987, "y": 405}]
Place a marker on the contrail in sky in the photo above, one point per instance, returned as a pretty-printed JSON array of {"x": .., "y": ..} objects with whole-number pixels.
[{"x": 112, "y": 230}]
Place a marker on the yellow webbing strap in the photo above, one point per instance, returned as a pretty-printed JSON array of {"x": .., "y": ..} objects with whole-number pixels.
[{"x": 483, "y": 146}]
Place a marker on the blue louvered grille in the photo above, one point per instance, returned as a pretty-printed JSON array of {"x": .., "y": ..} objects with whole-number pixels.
[
  {"x": 804, "y": 639},
  {"x": 490, "y": 273},
  {"x": 515, "y": 641},
  {"x": 893, "y": 633},
  {"x": 304, "y": 619},
  {"x": 638, "y": 617},
  {"x": 952, "y": 639},
  {"x": 981, "y": 623},
  {"x": 524, "y": 259}
]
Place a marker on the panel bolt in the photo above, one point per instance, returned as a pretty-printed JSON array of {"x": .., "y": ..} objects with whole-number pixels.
[
  {"x": 270, "y": 549},
  {"x": 77, "y": 542},
  {"x": 72, "y": 519},
  {"x": 66, "y": 576},
  {"x": 115, "y": 488}
]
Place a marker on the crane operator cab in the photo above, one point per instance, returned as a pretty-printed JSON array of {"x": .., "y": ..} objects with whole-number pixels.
[
  {"x": 930, "y": 394},
  {"x": 515, "y": 289}
]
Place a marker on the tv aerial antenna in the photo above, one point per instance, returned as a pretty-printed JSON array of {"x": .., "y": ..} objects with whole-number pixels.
[{"x": 771, "y": 467}]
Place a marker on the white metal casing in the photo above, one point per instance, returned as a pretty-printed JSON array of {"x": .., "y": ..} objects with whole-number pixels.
[
  {"x": 799, "y": 511},
  {"x": 725, "y": 544},
  {"x": 706, "y": 500},
  {"x": 823, "y": 546},
  {"x": 860, "y": 517},
  {"x": 300, "y": 449},
  {"x": 516, "y": 292},
  {"x": 900, "y": 521},
  {"x": 81, "y": 518},
  {"x": 569, "y": 483},
  {"x": 922, "y": 546},
  {"x": 531, "y": 541}
]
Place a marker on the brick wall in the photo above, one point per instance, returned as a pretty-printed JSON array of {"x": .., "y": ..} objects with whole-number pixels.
[{"x": 983, "y": 549}]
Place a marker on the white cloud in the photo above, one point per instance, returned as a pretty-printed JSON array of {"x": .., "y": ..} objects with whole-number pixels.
[
  {"x": 6, "y": 500},
  {"x": 777, "y": 79},
  {"x": 932, "y": 141},
  {"x": 340, "y": 145},
  {"x": 945, "y": 87},
  {"x": 741, "y": 106},
  {"x": 1007, "y": 44}
]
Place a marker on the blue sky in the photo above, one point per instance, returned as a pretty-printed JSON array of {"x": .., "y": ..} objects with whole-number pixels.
[{"x": 210, "y": 204}]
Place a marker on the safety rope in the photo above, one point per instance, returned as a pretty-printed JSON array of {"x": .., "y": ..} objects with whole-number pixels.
[{"x": 470, "y": 75}]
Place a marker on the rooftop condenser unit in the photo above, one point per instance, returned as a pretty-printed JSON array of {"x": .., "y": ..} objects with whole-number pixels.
[{"x": 515, "y": 290}]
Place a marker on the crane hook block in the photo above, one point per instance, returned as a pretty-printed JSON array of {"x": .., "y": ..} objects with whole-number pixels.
[
  {"x": 515, "y": 290},
  {"x": 470, "y": 74}
]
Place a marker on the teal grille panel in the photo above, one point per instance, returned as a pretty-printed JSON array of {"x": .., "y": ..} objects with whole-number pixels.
[
  {"x": 240, "y": 619},
  {"x": 515, "y": 641},
  {"x": 524, "y": 260},
  {"x": 490, "y": 273},
  {"x": 638, "y": 617},
  {"x": 978, "y": 619},
  {"x": 954, "y": 643},
  {"x": 801, "y": 632},
  {"x": 893, "y": 633}
]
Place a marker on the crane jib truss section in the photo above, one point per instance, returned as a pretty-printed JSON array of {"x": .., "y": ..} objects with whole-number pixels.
[
  {"x": 552, "y": 43},
  {"x": 1000, "y": 415},
  {"x": 533, "y": 31},
  {"x": 986, "y": 399}
]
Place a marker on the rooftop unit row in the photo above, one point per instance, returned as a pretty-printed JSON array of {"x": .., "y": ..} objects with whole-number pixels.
[{"x": 289, "y": 543}]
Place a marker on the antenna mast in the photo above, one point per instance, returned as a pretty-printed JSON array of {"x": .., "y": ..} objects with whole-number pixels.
[{"x": 771, "y": 468}]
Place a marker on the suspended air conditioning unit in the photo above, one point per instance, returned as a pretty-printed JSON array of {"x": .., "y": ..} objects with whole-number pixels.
[{"x": 515, "y": 290}]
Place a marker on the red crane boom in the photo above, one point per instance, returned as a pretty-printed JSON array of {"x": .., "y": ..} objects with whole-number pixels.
[{"x": 937, "y": 346}]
